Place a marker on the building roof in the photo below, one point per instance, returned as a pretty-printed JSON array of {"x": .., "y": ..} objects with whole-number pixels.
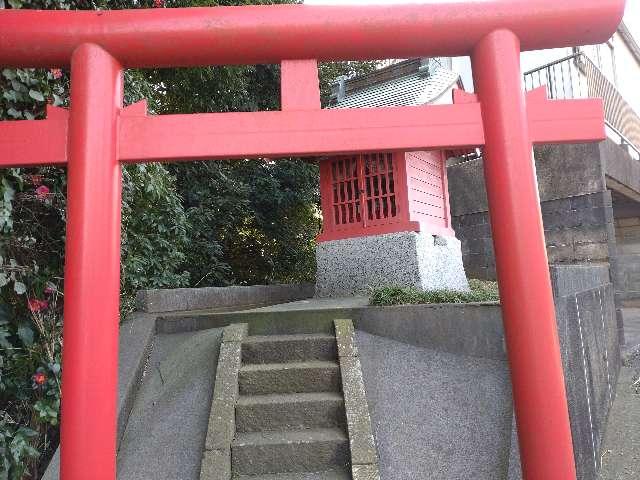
[{"x": 409, "y": 83}]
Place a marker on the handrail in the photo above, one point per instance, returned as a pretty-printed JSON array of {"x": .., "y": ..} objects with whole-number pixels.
[
  {"x": 568, "y": 83},
  {"x": 551, "y": 64},
  {"x": 624, "y": 141}
]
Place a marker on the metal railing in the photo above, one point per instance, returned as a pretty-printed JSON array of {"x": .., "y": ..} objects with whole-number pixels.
[{"x": 576, "y": 76}]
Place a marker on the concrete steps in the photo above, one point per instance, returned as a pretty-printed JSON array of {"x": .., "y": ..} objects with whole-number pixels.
[
  {"x": 289, "y": 406},
  {"x": 289, "y": 348},
  {"x": 290, "y": 415},
  {"x": 309, "y": 450},
  {"x": 293, "y": 411},
  {"x": 295, "y": 377},
  {"x": 327, "y": 475}
]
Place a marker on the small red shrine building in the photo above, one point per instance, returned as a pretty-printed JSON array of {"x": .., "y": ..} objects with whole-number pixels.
[
  {"x": 384, "y": 192},
  {"x": 386, "y": 217}
]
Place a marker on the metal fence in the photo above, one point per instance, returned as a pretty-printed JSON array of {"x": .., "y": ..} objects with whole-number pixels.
[{"x": 576, "y": 76}]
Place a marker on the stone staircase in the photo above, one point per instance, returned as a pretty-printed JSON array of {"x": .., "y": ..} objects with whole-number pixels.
[
  {"x": 290, "y": 418},
  {"x": 286, "y": 419}
]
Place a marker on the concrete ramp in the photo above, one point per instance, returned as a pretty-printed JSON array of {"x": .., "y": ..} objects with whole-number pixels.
[
  {"x": 167, "y": 426},
  {"x": 436, "y": 415}
]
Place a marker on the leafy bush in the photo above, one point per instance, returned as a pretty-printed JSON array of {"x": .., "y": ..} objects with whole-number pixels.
[
  {"x": 480, "y": 291},
  {"x": 154, "y": 232}
]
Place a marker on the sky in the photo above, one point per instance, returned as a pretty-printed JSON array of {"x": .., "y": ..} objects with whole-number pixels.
[{"x": 631, "y": 18}]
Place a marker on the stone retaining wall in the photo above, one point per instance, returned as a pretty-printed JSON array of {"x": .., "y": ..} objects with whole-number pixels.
[
  {"x": 576, "y": 208},
  {"x": 587, "y": 329},
  {"x": 627, "y": 223}
]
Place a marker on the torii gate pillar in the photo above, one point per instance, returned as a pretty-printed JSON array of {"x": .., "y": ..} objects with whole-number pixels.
[
  {"x": 92, "y": 267},
  {"x": 521, "y": 261}
]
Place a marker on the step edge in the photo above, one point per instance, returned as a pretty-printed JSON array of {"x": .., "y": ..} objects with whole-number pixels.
[
  {"x": 250, "y": 367},
  {"x": 287, "y": 338},
  {"x": 294, "y": 397},
  {"x": 286, "y": 437},
  {"x": 338, "y": 473}
]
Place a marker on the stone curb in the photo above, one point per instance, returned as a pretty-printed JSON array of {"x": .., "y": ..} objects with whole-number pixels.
[
  {"x": 345, "y": 338},
  {"x": 185, "y": 299},
  {"x": 216, "y": 458},
  {"x": 364, "y": 456}
]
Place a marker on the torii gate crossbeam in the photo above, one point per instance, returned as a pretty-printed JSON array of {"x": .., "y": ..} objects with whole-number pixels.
[{"x": 97, "y": 135}]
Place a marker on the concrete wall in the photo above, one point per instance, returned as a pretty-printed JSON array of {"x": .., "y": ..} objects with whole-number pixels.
[
  {"x": 588, "y": 334},
  {"x": 622, "y": 171},
  {"x": 576, "y": 207},
  {"x": 628, "y": 260},
  {"x": 220, "y": 298}
]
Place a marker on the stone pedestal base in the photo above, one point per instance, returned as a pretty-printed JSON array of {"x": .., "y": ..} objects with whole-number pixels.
[{"x": 406, "y": 259}]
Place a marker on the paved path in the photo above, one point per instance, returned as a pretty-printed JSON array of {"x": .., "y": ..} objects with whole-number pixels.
[
  {"x": 319, "y": 304},
  {"x": 621, "y": 452},
  {"x": 631, "y": 328}
]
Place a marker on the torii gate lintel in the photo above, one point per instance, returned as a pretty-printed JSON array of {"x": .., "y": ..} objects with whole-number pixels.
[{"x": 287, "y": 133}]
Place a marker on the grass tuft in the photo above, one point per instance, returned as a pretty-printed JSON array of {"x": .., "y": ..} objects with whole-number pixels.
[{"x": 480, "y": 291}]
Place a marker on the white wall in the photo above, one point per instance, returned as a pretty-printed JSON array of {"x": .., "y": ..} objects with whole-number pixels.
[{"x": 627, "y": 73}]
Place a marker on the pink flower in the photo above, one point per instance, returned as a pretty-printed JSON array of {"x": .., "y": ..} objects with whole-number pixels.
[
  {"x": 42, "y": 192},
  {"x": 158, "y": 3},
  {"x": 39, "y": 378},
  {"x": 49, "y": 290},
  {"x": 35, "y": 179},
  {"x": 56, "y": 72},
  {"x": 36, "y": 305}
]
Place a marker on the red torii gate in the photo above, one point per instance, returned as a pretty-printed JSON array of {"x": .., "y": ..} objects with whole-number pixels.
[{"x": 97, "y": 135}]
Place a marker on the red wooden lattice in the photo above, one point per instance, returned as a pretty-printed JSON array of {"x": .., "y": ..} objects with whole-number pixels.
[
  {"x": 379, "y": 187},
  {"x": 375, "y": 193},
  {"x": 363, "y": 189}
]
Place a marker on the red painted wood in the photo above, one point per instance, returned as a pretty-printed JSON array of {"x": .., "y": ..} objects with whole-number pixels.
[
  {"x": 371, "y": 230},
  {"x": 445, "y": 182},
  {"x": 268, "y": 34},
  {"x": 300, "y": 87},
  {"x": 274, "y": 134},
  {"x": 19, "y": 147},
  {"x": 92, "y": 270},
  {"x": 303, "y": 133},
  {"x": 428, "y": 190},
  {"x": 293, "y": 133},
  {"x": 424, "y": 184},
  {"x": 427, "y": 198},
  {"x": 563, "y": 121},
  {"x": 418, "y": 197},
  {"x": 427, "y": 210},
  {"x": 424, "y": 165},
  {"x": 360, "y": 195},
  {"x": 526, "y": 297},
  {"x": 402, "y": 186}
]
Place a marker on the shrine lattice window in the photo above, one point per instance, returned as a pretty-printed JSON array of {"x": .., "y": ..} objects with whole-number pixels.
[{"x": 363, "y": 189}]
